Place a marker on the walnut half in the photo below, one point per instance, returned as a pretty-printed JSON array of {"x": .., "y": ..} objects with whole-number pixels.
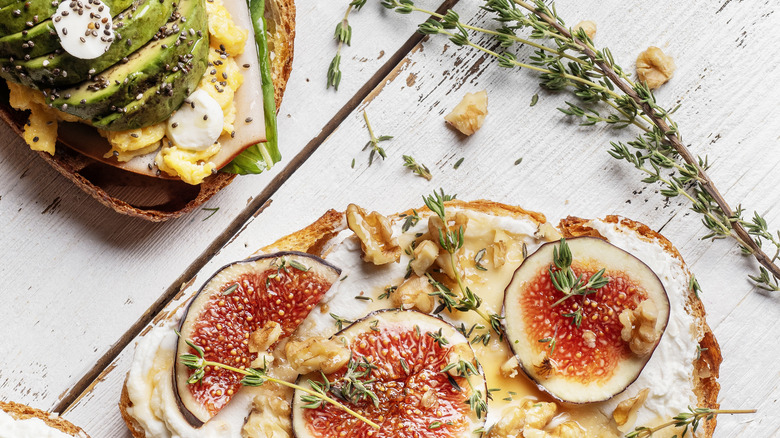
[
  {"x": 316, "y": 353},
  {"x": 375, "y": 234},
  {"x": 639, "y": 327},
  {"x": 415, "y": 293},
  {"x": 531, "y": 419},
  {"x": 654, "y": 67},
  {"x": 469, "y": 115}
]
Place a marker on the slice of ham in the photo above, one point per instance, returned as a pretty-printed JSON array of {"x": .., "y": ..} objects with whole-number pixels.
[{"x": 249, "y": 124}]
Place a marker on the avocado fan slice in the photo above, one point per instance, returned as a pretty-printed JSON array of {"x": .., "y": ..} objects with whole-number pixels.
[
  {"x": 158, "y": 102},
  {"x": 20, "y": 15},
  {"x": 170, "y": 78},
  {"x": 42, "y": 38},
  {"x": 151, "y": 19}
]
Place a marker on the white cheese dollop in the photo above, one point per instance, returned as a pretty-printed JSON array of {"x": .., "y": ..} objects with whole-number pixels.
[
  {"x": 197, "y": 124},
  {"x": 85, "y": 27},
  {"x": 27, "y": 428}
]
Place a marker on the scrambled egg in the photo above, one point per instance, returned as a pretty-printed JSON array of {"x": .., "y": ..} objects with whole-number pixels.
[{"x": 225, "y": 37}]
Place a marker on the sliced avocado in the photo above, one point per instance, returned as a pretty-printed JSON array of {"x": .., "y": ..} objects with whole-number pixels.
[
  {"x": 42, "y": 39},
  {"x": 21, "y": 15},
  {"x": 39, "y": 40},
  {"x": 151, "y": 19},
  {"x": 158, "y": 102},
  {"x": 146, "y": 68}
]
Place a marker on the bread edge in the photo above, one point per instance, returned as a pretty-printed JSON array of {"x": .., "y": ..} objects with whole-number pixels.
[
  {"x": 707, "y": 366},
  {"x": 21, "y": 412}
]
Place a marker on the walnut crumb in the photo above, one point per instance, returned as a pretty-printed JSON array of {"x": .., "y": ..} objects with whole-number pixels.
[
  {"x": 654, "y": 67},
  {"x": 588, "y": 26},
  {"x": 469, "y": 115},
  {"x": 316, "y": 353},
  {"x": 415, "y": 293}
]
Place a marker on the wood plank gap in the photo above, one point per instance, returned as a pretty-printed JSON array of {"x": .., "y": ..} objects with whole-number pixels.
[{"x": 253, "y": 209}]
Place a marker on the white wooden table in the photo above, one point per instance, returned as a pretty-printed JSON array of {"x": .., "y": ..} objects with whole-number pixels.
[{"x": 80, "y": 282}]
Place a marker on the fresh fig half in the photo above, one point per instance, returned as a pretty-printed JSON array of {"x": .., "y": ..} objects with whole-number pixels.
[
  {"x": 418, "y": 374},
  {"x": 574, "y": 346},
  {"x": 234, "y": 303}
]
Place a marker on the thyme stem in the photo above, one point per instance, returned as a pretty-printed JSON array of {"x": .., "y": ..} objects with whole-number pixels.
[
  {"x": 671, "y": 135},
  {"x": 686, "y": 420}
]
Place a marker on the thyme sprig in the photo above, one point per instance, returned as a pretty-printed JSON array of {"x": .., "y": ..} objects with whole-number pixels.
[
  {"x": 565, "y": 280},
  {"x": 567, "y": 59},
  {"x": 687, "y": 420},
  {"x": 351, "y": 387},
  {"x": 465, "y": 369},
  {"x": 342, "y": 34},
  {"x": 452, "y": 241},
  {"x": 374, "y": 141},
  {"x": 417, "y": 168},
  {"x": 256, "y": 377}
]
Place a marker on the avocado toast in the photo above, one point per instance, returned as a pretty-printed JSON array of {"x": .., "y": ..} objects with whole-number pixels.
[{"x": 123, "y": 148}]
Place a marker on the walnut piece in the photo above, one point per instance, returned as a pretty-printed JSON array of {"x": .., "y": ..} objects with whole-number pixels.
[
  {"x": 316, "y": 353},
  {"x": 654, "y": 67},
  {"x": 262, "y": 339},
  {"x": 625, "y": 412},
  {"x": 430, "y": 400},
  {"x": 468, "y": 116},
  {"x": 639, "y": 327},
  {"x": 375, "y": 234},
  {"x": 425, "y": 254},
  {"x": 528, "y": 418},
  {"x": 510, "y": 367},
  {"x": 548, "y": 232},
  {"x": 414, "y": 293},
  {"x": 588, "y": 26},
  {"x": 270, "y": 418}
]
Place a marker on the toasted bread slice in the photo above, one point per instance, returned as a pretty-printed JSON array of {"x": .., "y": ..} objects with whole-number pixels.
[
  {"x": 159, "y": 199},
  {"x": 23, "y": 412},
  {"x": 316, "y": 238}
]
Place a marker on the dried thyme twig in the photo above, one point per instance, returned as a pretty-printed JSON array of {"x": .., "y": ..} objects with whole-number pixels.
[{"x": 343, "y": 35}]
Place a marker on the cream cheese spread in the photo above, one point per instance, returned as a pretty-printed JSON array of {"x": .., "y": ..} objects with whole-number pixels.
[
  {"x": 27, "y": 428},
  {"x": 668, "y": 374}
]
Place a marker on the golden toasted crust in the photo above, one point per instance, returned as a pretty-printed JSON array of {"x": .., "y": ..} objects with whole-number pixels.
[
  {"x": 21, "y": 412},
  {"x": 156, "y": 199},
  {"x": 707, "y": 366}
]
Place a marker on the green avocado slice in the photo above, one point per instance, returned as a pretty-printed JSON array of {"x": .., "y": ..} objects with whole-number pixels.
[
  {"x": 146, "y": 20},
  {"x": 158, "y": 102},
  {"x": 42, "y": 38},
  {"x": 146, "y": 68},
  {"x": 19, "y": 15}
]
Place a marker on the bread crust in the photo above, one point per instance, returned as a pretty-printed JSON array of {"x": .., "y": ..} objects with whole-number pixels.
[
  {"x": 707, "y": 366},
  {"x": 157, "y": 199},
  {"x": 21, "y": 412}
]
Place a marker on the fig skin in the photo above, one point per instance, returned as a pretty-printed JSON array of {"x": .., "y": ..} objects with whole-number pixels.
[
  {"x": 191, "y": 418},
  {"x": 527, "y": 367},
  {"x": 411, "y": 315}
]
